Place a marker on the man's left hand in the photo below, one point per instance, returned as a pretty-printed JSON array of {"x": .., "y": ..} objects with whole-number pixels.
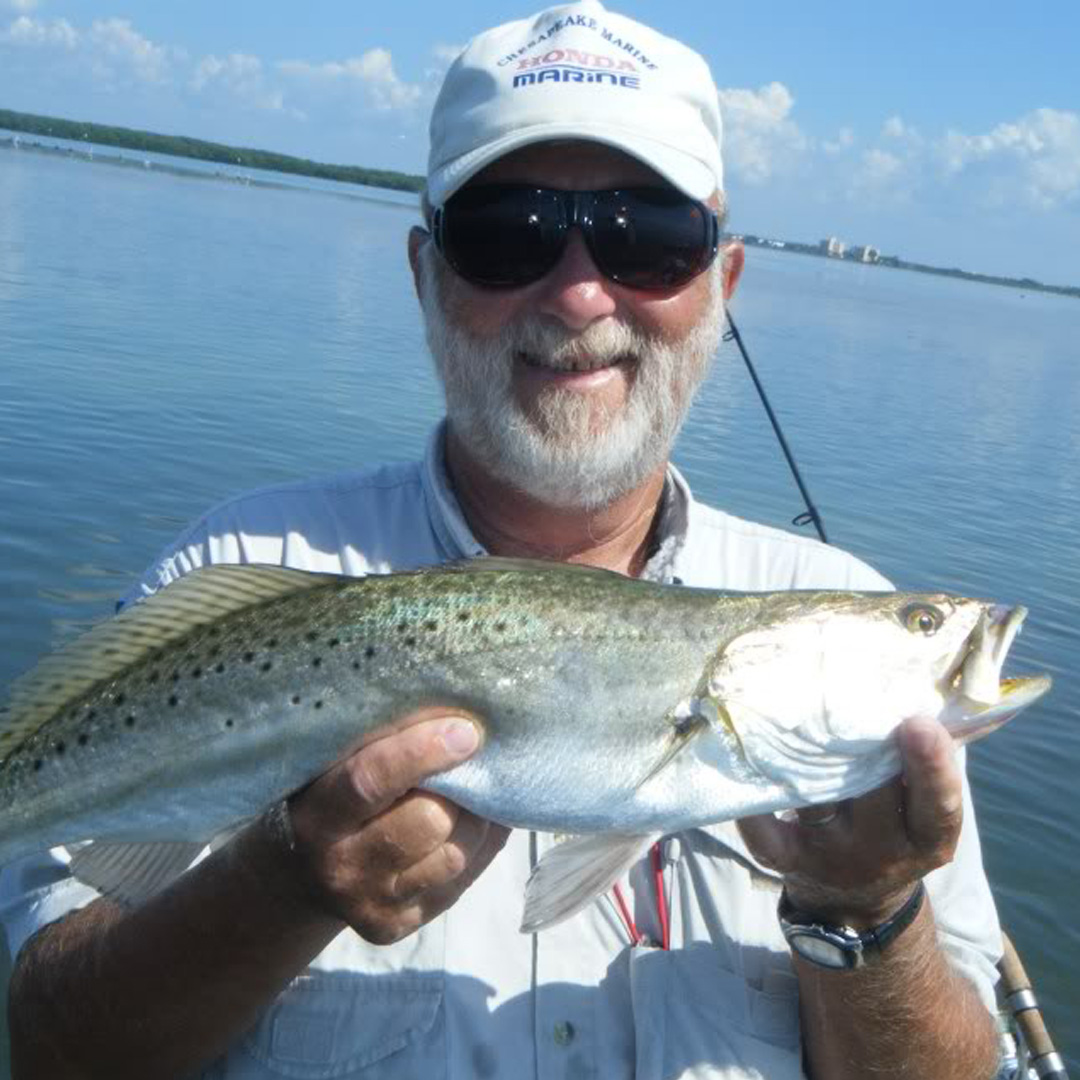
[{"x": 856, "y": 862}]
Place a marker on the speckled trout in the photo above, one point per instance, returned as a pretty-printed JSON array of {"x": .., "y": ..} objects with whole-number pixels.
[{"x": 610, "y": 707}]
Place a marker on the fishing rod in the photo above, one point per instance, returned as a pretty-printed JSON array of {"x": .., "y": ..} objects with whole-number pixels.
[
  {"x": 811, "y": 514},
  {"x": 1022, "y": 1004}
]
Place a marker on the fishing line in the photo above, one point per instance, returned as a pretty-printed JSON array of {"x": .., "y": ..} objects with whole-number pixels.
[{"x": 810, "y": 515}]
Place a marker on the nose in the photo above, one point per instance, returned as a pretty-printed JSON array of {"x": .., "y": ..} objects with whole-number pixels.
[{"x": 574, "y": 291}]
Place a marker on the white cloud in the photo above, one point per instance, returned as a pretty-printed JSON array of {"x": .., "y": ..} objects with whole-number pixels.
[
  {"x": 19, "y": 5},
  {"x": 239, "y": 76},
  {"x": 845, "y": 139},
  {"x": 759, "y": 136},
  {"x": 372, "y": 73},
  {"x": 117, "y": 49},
  {"x": 56, "y": 33},
  {"x": 1036, "y": 156}
]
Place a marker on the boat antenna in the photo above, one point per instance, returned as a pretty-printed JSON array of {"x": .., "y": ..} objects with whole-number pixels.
[{"x": 810, "y": 515}]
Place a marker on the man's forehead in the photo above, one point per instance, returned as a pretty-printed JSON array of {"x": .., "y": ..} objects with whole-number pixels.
[{"x": 570, "y": 163}]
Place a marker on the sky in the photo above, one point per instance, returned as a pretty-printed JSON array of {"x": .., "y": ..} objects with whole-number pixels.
[{"x": 944, "y": 132}]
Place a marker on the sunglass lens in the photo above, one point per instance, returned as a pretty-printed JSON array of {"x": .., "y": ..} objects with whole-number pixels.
[
  {"x": 651, "y": 238},
  {"x": 503, "y": 235}
]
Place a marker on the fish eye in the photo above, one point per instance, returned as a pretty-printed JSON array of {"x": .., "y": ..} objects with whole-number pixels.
[{"x": 922, "y": 619}]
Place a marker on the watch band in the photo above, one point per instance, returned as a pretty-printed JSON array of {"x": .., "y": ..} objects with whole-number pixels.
[{"x": 840, "y": 948}]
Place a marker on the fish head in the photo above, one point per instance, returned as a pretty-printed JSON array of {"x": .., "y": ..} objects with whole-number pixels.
[{"x": 818, "y": 687}]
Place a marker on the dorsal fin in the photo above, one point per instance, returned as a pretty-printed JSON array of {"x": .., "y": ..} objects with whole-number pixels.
[{"x": 199, "y": 598}]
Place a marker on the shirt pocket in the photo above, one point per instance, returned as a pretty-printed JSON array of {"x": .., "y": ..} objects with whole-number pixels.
[
  {"x": 376, "y": 1017},
  {"x": 695, "y": 1018}
]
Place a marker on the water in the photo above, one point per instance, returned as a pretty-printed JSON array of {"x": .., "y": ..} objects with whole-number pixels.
[{"x": 166, "y": 341}]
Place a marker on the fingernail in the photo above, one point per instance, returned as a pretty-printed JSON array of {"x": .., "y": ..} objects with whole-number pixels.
[{"x": 460, "y": 737}]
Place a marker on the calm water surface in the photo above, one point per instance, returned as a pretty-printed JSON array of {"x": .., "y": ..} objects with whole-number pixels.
[{"x": 167, "y": 341}]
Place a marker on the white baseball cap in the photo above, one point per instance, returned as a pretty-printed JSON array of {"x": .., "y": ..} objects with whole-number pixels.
[{"x": 577, "y": 71}]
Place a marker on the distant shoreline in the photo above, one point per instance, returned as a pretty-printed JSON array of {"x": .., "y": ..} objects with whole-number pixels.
[{"x": 266, "y": 160}]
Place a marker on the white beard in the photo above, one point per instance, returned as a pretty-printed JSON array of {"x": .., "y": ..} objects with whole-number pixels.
[{"x": 570, "y": 451}]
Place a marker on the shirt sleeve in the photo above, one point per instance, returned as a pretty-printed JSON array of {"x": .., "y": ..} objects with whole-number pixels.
[
  {"x": 964, "y": 910},
  {"x": 35, "y": 891}
]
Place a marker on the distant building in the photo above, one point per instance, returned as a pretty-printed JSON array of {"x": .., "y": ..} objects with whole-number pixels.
[
  {"x": 833, "y": 248},
  {"x": 867, "y": 254}
]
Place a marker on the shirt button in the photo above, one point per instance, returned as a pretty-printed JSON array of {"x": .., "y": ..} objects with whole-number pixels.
[{"x": 564, "y": 1033}]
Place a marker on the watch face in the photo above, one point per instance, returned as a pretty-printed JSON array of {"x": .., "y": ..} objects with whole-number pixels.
[{"x": 820, "y": 951}]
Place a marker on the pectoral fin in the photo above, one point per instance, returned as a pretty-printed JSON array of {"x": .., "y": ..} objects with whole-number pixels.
[
  {"x": 574, "y": 873},
  {"x": 690, "y": 719}
]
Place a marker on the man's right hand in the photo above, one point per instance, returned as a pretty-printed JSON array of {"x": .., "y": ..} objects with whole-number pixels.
[{"x": 379, "y": 855}]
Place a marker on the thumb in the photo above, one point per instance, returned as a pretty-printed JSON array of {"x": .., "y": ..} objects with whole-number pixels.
[{"x": 384, "y": 770}]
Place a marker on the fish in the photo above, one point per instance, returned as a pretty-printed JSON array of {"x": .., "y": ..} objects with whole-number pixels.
[{"x": 611, "y": 709}]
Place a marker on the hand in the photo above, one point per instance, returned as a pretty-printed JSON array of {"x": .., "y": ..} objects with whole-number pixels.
[
  {"x": 383, "y": 857},
  {"x": 856, "y": 862}
]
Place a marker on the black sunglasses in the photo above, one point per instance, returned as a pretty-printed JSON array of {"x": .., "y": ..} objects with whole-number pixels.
[{"x": 509, "y": 235}]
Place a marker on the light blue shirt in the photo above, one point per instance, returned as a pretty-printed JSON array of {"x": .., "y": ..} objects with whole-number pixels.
[{"x": 469, "y": 996}]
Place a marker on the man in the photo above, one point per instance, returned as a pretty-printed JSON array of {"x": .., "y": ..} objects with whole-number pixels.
[{"x": 365, "y": 929}]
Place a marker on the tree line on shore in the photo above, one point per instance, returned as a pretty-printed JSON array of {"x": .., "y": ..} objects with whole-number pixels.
[{"x": 201, "y": 150}]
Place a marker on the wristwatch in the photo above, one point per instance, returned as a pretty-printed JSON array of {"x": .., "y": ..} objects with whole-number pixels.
[{"x": 840, "y": 948}]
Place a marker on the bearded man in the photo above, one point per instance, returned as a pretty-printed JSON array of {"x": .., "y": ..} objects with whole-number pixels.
[{"x": 573, "y": 284}]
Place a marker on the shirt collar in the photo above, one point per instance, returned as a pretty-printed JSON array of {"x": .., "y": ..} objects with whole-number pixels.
[{"x": 458, "y": 542}]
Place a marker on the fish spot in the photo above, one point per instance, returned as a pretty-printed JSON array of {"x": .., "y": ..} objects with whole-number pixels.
[
  {"x": 37, "y": 765},
  {"x": 155, "y": 676},
  {"x": 296, "y": 699},
  {"x": 266, "y": 666},
  {"x": 220, "y": 668},
  {"x": 174, "y": 700},
  {"x": 500, "y": 627},
  {"x": 248, "y": 657},
  {"x": 311, "y": 636},
  {"x": 214, "y": 650},
  {"x": 369, "y": 652},
  {"x": 410, "y": 641},
  {"x": 83, "y": 739},
  {"x": 334, "y": 642},
  {"x": 213, "y": 631},
  {"x": 463, "y": 616},
  {"x": 119, "y": 699},
  {"x": 175, "y": 676},
  {"x": 272, "y": 643},
  {"x": 196, "y": 673},
  {"x": 431, "y": 625},
  {"x": 228, "y": 723},
  {"x": 130, "y": 720},
  {"x": 318, "y": 704},
  {"x": 316, "y": 662},
  {"x": 61, "y": 747},
  {"x": 356, "y": 665},
  {"x": 91, "y": 715},
  {"x": 402, "y": 627}
]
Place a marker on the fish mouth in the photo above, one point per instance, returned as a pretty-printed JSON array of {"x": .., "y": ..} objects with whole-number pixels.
[{"x": 980, "y": 699}]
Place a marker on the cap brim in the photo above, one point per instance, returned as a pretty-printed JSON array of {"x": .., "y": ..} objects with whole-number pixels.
[{"x": 689, "y": 174}]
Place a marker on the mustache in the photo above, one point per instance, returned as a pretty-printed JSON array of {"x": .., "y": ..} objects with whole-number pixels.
[{"x": 554, "y": 345}]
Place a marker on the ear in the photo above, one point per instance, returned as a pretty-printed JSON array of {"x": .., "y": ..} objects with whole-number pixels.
[
  {"x": 734, "y": 255},
  {"x": 418, "y": 237}
]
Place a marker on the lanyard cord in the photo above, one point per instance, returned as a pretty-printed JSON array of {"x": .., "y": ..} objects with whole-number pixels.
[{"x": 656, "y": 861}]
